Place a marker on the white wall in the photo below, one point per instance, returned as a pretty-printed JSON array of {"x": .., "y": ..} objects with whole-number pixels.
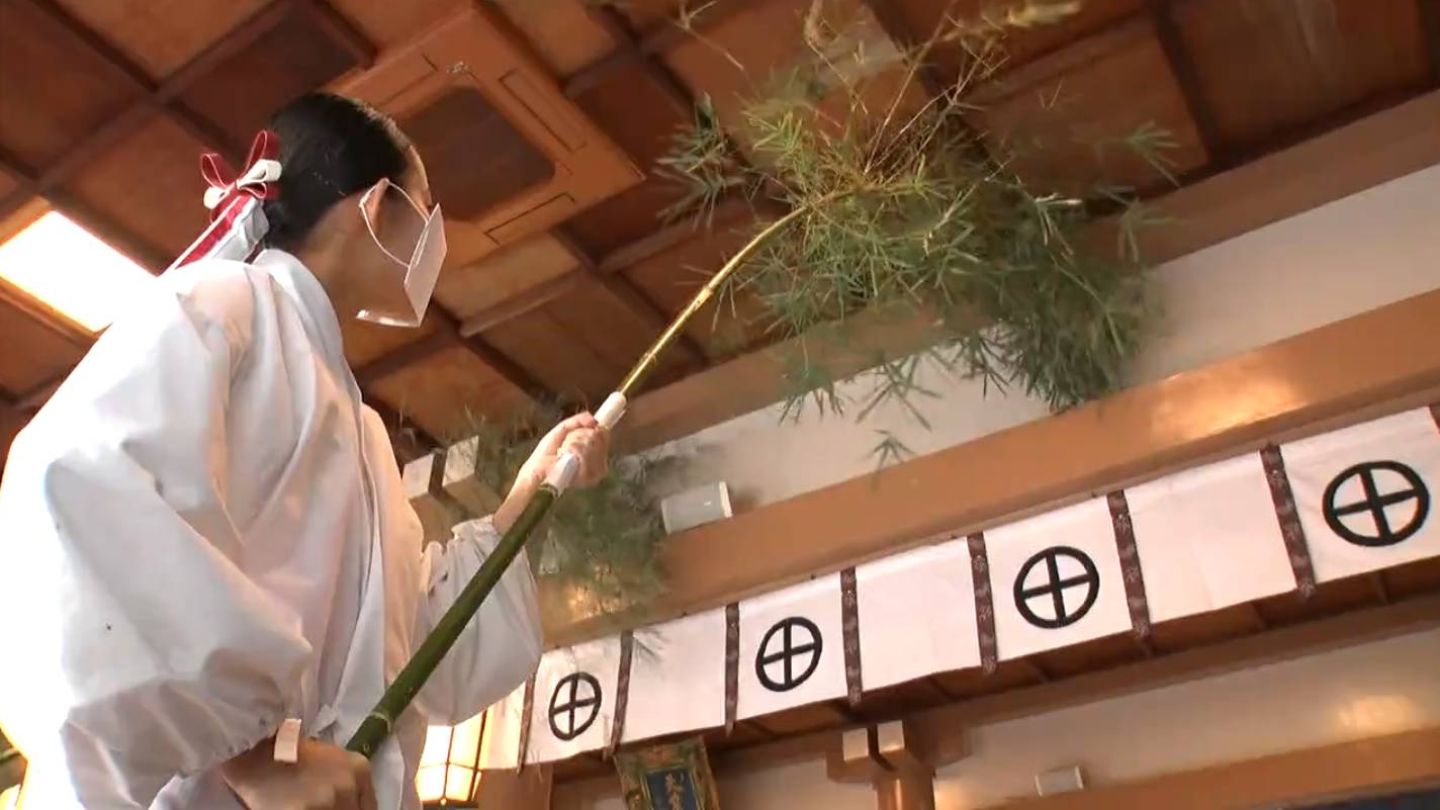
[
  {"x": 1344, "y": 258},
  {"x": 1368, "y": 690}
]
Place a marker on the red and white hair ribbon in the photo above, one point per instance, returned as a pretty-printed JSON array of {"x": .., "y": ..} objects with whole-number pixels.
[{"x": 237, "y": 221}]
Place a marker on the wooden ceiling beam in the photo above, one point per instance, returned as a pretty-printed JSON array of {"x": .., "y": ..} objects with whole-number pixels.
[
  {"x": 339, "y": 28},
  {"x": 1430, "y": 30},
  {"x": 672, "y": 235},
  {"x": 156, "y": 101},
  {"x": 629, "y": 294},
  {"x": 892, "y": 22},
  {"x": 525, "y": 301},
  {"x": 1187, "y": 77},
  {"x": 632, "y": 47},
  {"x": 197, "y": 127},
  {"x": 102, "y": 226},
  {"x": 498, "y": 361}
]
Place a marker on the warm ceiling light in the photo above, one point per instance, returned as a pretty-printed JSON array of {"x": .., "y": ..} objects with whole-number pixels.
[{"x": 68, "y": 269}]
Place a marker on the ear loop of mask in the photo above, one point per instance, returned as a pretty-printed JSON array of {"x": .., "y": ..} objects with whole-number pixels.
[{"x": 420, "y": 212}]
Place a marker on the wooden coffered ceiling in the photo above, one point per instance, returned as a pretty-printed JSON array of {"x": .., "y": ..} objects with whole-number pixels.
[{"x": 548, "y": 117}]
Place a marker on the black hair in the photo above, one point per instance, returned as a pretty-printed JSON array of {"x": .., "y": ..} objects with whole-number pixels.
[{"x": 330, "y": 148}]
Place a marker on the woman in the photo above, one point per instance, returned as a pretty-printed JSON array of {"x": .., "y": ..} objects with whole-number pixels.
[{"x": 204, "y": 533}]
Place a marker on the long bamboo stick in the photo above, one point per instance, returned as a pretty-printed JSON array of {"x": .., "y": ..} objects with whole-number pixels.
[{"x": 378, "y": 724}]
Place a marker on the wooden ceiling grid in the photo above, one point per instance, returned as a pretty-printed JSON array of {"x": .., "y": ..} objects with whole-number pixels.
[
  {"x": 1414, "y": 580},
  {"x": 110, "y": 139}
]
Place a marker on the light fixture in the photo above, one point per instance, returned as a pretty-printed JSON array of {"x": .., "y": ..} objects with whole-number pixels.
[
  {"x": 450, "y": 764},
  {"x": 68, "y": 269}
]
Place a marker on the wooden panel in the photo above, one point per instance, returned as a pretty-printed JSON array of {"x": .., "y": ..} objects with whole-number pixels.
[
  {"x": 561, "y": 31},
  {"x": 389, "y": 23},
  {"x": 502, "y": 275},
  {"x": 670, "y": 278},
  {"x": 596, "y": 317},
  {"x": 563, "y": 363},
  {"x": 465, "y": 180},
  {"x": 1065, "y": 115},
  {"x": 41, "y": 120},
  {"x": 713, "y": 63},
  {"x": 162, "y": 35},
  {"x": 642, "y": 117},
  {"x": 801, "y": 719},
  {"x": 8, "y": 183},
  {"x": 34, "y": 352},
  {"x": 1092, "y": 655},
  {"x": 292, "y": 58},
  {"x": 1205, "y": 628},
  {"x": 445, "y": 393},
  {"x": 1415, "y": 578},
  {"x": 10, "y": 424},
  {"x": 922, "y": 19},
  {"x": 150, "y": 184},
  {"x": 646, "y": 14},
  {"x": 477, "y": 50},
  {"x": 1266, "y": 65},
  {"x": 1330, "y": 598},
  {"x": 366, "y": 342},
  {"x": 971, "y": 682}
]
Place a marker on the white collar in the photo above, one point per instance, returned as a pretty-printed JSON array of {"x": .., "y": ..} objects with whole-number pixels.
[{"x": 311, "y": 299}]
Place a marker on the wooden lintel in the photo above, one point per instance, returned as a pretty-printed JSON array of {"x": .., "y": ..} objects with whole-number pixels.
[
  {"x": 1394, "y": 762},
  {"x": 673, "y": 235},
  {"x": 1361, "y": 367},
  {"x": 525, "y": 301}
]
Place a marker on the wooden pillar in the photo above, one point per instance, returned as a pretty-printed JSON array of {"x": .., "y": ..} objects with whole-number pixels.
[{"x": 891, "y": 759}]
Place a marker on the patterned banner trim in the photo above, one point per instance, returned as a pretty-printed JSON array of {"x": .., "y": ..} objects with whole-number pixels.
[
  {"x": 1289, "y": 517},
  {"x": 850, "y": 629},
  {"x": 732, "y": 664},
  {"x": 1129, "y": 563},
  {"x": 984, "y": 605},
  {"x": 622, "y": 691}
]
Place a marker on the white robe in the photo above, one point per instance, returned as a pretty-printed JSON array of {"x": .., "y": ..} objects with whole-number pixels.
[{"x": 204, "y": 533}]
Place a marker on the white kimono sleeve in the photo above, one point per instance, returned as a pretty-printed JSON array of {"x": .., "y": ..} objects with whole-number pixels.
[
  {"x": 144, "y": 652},
  {"x": 501, "y": 645}
]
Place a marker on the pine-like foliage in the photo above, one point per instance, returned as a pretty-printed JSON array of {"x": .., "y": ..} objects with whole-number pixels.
[
  {"x": 900, "y": 207},
  {"x": 599, "y": 545}
]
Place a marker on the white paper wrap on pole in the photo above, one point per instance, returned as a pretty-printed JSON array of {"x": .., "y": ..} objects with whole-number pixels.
[{"x": 567, "y": 467}]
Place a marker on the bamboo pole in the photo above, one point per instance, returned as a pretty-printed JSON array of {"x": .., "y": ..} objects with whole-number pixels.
[{"x": 378, "y": 724}]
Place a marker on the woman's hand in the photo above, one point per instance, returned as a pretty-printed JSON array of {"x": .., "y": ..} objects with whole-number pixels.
[
  {"x": 579, "y": 434},
  {"x": 323, "y": 778}
]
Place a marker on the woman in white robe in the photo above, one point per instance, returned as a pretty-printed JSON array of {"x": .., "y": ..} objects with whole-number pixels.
[{"x": 203, "y": 533}]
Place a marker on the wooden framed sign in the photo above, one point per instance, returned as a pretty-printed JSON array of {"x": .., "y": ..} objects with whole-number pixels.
[{"x": 675, "y": 776}]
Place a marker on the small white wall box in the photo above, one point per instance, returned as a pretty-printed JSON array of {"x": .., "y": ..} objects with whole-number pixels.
[
  {"x": 695, "y": 507},
  {"x": 1060, "y": 780}
]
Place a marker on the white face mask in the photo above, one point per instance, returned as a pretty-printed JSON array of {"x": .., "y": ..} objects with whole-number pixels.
[{"x": 423, "y": 268}]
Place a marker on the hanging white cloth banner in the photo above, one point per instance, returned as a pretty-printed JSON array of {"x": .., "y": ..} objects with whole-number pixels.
[
  {"x": 500, "y": 747},
  {"x": 1056, "y": 580},
  {"x": 677, "y": 677},
  {"x": 917, "y": 614},
  {"x": 791, "y": 648},
  {"x": 574, "y": 703},
  {"x": 1365, "y": 495},
  {"x": 1208, "y": 538}
]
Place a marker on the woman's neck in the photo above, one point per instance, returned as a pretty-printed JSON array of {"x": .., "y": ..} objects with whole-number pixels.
[{"x": 325, "y": 259}]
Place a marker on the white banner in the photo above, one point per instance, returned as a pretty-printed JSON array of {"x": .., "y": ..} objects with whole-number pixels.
[
  {"x": 500, "y": 747},
  {"x": 677, "y": 677},
  {"x": 1365, "y": 494},
  {"x": 574, "y": 703},
  {"x": 791, "y": 648},
  {"x": 1208, "y": 538},
  {"x": 1056, "y": 580},
  {"x": 917, "y": 614},
  {"x": 1204, "y": 539}
]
